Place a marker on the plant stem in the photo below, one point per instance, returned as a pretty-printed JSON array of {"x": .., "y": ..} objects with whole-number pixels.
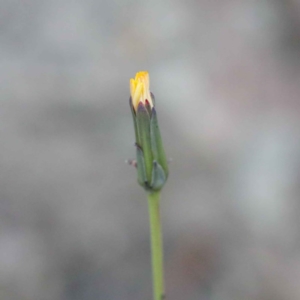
[{"x": 156, "y": 245}]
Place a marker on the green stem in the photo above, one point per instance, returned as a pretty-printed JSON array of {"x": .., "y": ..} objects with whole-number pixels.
[{"x": 156, "y": 245}]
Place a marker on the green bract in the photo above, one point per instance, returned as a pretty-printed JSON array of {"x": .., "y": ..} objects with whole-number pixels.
[{"x": 152, "y": 166}]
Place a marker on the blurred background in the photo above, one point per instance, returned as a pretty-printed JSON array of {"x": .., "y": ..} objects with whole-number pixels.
[{"x": 73, "y": 220}]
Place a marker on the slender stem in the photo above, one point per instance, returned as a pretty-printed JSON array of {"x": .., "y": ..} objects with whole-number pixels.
[{"x": 156, "y": 245}]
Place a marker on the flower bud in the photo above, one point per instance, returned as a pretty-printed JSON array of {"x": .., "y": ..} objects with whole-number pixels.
[{"x": 152, "y": 166}]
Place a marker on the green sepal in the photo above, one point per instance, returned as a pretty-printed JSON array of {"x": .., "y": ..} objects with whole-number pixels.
[
  {"x": 141, "y": 170},
  {"x": 134, "y": 121},
  {"x": 143, "y": 128},
  {"x": 152, "y": 98},
  {"x": 156, "y": 143},
  {"x": 158, "y": 176},
  {"x": 148, "y": 108}
]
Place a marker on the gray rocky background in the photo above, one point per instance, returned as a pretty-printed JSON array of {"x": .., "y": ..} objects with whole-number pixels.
[{"x": 226, "y": 76}]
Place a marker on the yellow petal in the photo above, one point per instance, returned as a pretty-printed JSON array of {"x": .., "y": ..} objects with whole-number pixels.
[{"x": 139, "y": 89}]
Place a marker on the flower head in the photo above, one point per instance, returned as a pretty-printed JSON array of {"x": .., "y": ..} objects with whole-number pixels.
[
  {"x": 139, "y": 89},
  {"x": 151, "y": 163}
]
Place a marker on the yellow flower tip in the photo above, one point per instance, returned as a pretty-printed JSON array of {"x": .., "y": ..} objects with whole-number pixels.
[{"x": 139, "y": 89}]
